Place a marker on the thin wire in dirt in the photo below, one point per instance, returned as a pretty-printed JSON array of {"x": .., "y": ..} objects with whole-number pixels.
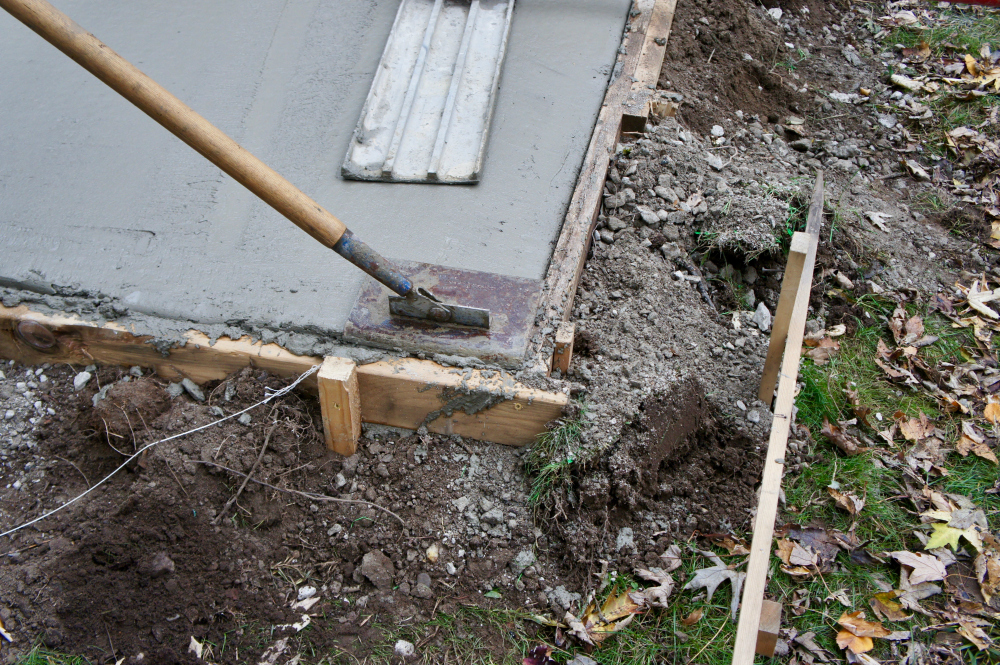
[{"x": 277, "y": 393}]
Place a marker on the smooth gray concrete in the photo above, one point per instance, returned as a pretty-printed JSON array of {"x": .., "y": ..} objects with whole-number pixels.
[{"x": 95, "y": 197}]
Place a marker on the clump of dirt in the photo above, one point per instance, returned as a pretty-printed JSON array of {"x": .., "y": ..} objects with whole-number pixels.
[{"x": 128, "y": 408}]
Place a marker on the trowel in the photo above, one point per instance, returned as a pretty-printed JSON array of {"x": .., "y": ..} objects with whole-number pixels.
[{"x": 411, "y": 301}]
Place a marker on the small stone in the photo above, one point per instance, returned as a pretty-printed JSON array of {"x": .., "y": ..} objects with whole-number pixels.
[
  {"x": 717, "y": 131},
  {"x": 762, "y": 317},
  {"x": 450, "y": 568},
  {"x": 242, "y": 420},
  {"x": 714, "y": 161},
  {"x": 378, "y": 569},
  {"x": 135, "y": 371},
  {"x": 485, "y": 504},
  {"x": 424, "y": 579},
  {"x": 625, "y": 539},
  {"x": 663, "y": 180},
  {"x": 801, "y": 145},
  {"x": 421, "y": 591},
  {"x": 753, "y": 416},
  {"x": 523, "y": 559},
  {"x": 404, "y": 649},
  {"x": 175, "y": 390},
  {"x": 648, "y": 216},
  {"x": 665, "y": 193},
  {"x": 560, "y": 597},
  {"x": 741, "y": 405},
  {"x": 193, "y": 390},
  {"x": 81, "y": 380},
  {"x": 382, "y": 470},
  {"x": 306, "y": 592},
  {"x": 9, "y": 414},
  {"x": 461, "y": 503},
  {"x": 493, "y": 517},
  {"x": 615, "y": 224},
  {"x": 750, "y": 275}
]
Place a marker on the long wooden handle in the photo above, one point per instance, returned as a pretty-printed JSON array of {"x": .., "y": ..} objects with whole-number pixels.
[{"x": 95, "y": 56}]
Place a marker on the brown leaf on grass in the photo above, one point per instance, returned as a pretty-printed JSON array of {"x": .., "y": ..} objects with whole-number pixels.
[
  {"x": 971, "y": 65},
  {"x": 655, "y": 596},
  {"x": 886, "y": 608},
  {"x": 913, "y": 329},
  {"x": 838, "y": 437},
  {"x": 917, "y": 53},
  {"x": 922, "y": 567},
  {"x": 596, "y": 625},
  {"x": 857, "y": 624},
  {"x": 730, "y": 543},
  {"x": 915, "y": 429},
  {"x": 992, "y": 411},
  {"x": 846, "y": 500},
  {"x": 693, "y": 618},
  {"x": 807, "y": 641},
  {"x": 987, "y": 566},
  {"x": 974, "y": 634},
  {"x": 966, "y": 445},
  {"x": 896, "y": 323},
  {"x": 854, "y": 643},
  {"x": 671, "y": 558},
  {"x": 823, "y": 351}
]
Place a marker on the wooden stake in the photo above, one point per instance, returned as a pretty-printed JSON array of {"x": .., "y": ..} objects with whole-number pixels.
[
  {"x": 783, "y": 315},
  {"x": 340, "y": 403},
  {"x": 774, "y": 462},
  {"x": 770, "y": 625},
  {"x": 647, "y": 71},
  {"x": 562, "y": 355}
]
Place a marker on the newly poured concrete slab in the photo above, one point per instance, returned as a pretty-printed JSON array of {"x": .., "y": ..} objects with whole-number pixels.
[{"x": 96, "y": 198}]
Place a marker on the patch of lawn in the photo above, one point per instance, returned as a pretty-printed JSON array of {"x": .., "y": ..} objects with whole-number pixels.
[{"x": 40, "y": 656}]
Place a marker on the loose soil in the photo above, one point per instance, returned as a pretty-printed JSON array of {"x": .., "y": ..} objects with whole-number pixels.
[{"x": 668, "y": 357}]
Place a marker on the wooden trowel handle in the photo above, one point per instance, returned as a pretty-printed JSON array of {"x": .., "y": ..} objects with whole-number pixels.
[{"x": 94, "y": 56}]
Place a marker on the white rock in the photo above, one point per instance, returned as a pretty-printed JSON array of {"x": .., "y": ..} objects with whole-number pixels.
[
  {"x": 306, "y": 592},
  {"x": 762, "y": 317},
  {"x": 9, "y": 414},
  {"x": 717, "y": 130},
  {"x": 775, "y": 13},
  {"x": 404, "y": 649},
  {"x": 2, "y": 376},
  {"x": 450, "y": 568},
  {"x": 714, "y": 161},
  {"x": 81, "y": 380}
]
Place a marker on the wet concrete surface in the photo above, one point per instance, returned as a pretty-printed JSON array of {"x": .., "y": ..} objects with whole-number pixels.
[{"x": 96, "y": 198}]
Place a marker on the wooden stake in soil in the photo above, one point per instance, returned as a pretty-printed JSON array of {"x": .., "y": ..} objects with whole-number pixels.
[
  {"x": 774, "y": 462},
  {"x": 562, "y": 355},
  {"x": 340, "y": 403}
]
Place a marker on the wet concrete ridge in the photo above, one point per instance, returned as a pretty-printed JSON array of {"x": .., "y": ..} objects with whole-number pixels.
[{"x": 99, "y": 200}]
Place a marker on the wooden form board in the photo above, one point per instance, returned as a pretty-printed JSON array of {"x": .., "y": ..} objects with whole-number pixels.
[
  {"x": 401, "y": 392},
  {"x": 639, "y": 68},
  {"x": 774, "y": 462}
]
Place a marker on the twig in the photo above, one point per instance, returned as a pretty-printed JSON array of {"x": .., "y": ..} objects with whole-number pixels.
[
  {"x": 307, "y": 495},
  {"x": 709, "y": 61},
  {"x": 724, "y": 621},
  {"x": 260, "y": 456},
  {"x": 179, "y": 483},
  {"x": 87, "y": 480}
]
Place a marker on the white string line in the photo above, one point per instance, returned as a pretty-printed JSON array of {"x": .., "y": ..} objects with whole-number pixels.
[{"x": 277, "y": 393}]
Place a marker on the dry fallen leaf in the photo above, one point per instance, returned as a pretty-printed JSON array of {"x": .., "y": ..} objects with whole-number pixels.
[
  {"x": 915, "y": 429},
  {"x": 923, "y": 567},
  {"x": 655, "y": 596},
  {"x": 710, "y": 578},
  {"x": 823, "y": 351},
  {"x": 854, "y": 643},
  {"x": 838, "y": 437},
  {"x": 732, "y": 544},
  {"x": 885, "y": 606},
  {"x": 693, "y": 618},
  {"x": 992, "y": 411},
  {"x": 974, "y": 634},
  {"x": 846, "y": 500},
  {"x": 857, "y": 634}
]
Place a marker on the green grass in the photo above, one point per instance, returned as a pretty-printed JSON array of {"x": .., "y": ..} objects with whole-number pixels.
[
  {"x": 965, "y": 30},
  {"x": 549, "y": 461},
  {"x": 40, "y": 656}
]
